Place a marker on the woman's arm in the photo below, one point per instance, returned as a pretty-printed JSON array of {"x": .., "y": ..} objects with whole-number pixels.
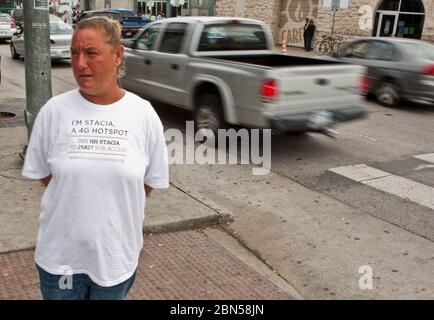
[
  {"x": 148, "y": 190},
  {"x": 45, "y": 181}
]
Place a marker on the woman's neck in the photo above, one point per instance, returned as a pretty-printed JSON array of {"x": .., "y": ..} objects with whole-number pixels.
[{"x": 106, "y": 99}]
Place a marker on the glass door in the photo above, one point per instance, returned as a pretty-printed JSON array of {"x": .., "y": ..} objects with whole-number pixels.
[{"x": 387, "y": 25}]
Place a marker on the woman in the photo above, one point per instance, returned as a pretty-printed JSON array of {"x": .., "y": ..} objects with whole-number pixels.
[
  {"x": 310, "y": 31},
  {"x": 99, "y": 149},
  {"x": 306, "y": 24}
]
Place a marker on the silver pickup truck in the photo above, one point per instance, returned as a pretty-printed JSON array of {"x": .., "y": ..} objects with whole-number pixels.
[{"x": 225, "y": 70}]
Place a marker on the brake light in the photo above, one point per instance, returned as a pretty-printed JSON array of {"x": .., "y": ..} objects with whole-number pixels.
[
  {"x": 428, "y": 70},
  {"x": 363, "y": 85},
  {"x": 52, "y": 41},
  {"x": 269, "y": 90},
  {"x": 13, "y": 25},
  {"x": 235, "y": 21}
]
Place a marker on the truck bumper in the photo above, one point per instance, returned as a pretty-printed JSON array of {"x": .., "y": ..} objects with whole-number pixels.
[{"x": 315, "y": 121}]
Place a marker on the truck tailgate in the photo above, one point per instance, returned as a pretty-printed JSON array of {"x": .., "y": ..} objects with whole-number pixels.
[{"x": 316, "y": 87}]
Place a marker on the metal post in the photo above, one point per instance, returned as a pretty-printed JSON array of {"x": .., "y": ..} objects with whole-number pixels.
[
  {"x": 37, "y": 58},
  {"x": 335, "y": 7},
  {"x": 333, "y": 24}
]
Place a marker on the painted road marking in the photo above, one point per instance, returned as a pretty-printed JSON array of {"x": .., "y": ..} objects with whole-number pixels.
[
  {"x": 360, "y": 172},
  {"x": 387, "y": 182},
  {"x": 426, "y": 157}
]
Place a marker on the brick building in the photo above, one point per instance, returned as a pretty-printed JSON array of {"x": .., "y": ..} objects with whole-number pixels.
[
  {"x": 402, "y": 18},
  {"x": 408, "y": 18}
]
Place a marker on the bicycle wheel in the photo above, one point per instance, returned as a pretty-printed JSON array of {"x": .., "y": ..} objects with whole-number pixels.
[
  {"x": 316, "y": 46},
  {"x": 322, "y": 47},
  {"x": 336, "y": 46}
]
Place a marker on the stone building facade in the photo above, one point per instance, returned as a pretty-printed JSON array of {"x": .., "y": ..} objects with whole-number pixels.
[
  {"x": 267, "y": 11},
  {"x": 350, "y": 22},
  {"x": 362, "y": 17}
]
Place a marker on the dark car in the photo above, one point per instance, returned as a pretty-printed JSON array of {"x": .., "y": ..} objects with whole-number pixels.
[
  {"x": 98, "y": 13},
  {"x": 127, "y": 32},
  {"x": 397, "y": 68}
]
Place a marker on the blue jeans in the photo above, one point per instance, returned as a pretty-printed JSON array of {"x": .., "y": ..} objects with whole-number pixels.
[
  {"x": 80, "y": 287},
  {"x": 308, "y": 41}
]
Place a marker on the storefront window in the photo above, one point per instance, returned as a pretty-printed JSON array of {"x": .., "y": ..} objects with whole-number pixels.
[
  {"x": 152, "y": 8},
  {"x": 412, "y": 6},
  {"x": 396, "y": 18},
  {"x": 389, "y": 5},
  {"x": 410, "y": 26}
]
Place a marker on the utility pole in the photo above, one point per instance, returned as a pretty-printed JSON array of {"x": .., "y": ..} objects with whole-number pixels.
[{"x": 37, "y": 58}]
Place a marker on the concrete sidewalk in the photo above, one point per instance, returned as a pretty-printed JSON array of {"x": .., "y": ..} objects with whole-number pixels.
[
  {"x": 295, "y": 51},
  {"x": 167, "y": 210},
  {"x": 180, "y": 262},
  {"x": 184, "y": 265}
]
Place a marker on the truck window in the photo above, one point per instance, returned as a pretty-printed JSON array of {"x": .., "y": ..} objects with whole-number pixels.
[
  {"x": 148, "y": 38},
  {"x": 232, "y": 36},
  {"x": 173, "y": 38}
]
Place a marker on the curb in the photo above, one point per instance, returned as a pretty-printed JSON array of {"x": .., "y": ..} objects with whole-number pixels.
[
  {"x": 220, "y": 217},
  {"x": 189, "y": 224}
]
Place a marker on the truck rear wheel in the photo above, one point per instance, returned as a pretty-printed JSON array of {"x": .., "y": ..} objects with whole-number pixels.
[{"x": 208, "y": 115}]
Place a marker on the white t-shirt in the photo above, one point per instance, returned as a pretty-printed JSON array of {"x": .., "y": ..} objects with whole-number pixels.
[{"x": 100, "y": 157}]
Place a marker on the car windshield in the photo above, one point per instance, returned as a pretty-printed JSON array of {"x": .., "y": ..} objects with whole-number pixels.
[
  {"x": 421, "y": 50},
  {"x": 232, "y": 36},
  {"x": 60, "y": 28}
]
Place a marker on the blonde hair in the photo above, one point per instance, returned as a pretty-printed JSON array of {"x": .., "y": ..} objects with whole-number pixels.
[{"x": 112, "y": 30}]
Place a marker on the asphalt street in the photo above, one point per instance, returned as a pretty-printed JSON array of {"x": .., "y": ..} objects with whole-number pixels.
[{"x": 364, "y": 197}]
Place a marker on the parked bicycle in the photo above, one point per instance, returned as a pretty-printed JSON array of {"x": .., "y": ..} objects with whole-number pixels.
[{"x": 328, "y": 44}]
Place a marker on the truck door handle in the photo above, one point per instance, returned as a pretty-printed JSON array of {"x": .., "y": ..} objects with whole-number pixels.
[
  {"x": 148, "y": 62},
  {"x": 174, "y": 66}
]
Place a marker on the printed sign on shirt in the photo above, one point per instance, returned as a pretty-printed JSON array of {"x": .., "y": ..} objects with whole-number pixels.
[{"x": 97, "y": 140}]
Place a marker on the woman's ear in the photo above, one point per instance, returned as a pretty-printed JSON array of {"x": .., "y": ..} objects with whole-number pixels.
[{"x": 119, "y": 54}]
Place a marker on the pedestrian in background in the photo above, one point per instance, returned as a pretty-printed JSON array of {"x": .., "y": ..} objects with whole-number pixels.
[
  {"x": 160, "y": 16},
  {"x": 306, "y": 23},
  {"x": 100, "y": 150},
  {"x": 310, "y": 31}
]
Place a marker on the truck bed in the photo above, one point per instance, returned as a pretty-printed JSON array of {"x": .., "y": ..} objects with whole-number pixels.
[{"x": 275, "y": 60}]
